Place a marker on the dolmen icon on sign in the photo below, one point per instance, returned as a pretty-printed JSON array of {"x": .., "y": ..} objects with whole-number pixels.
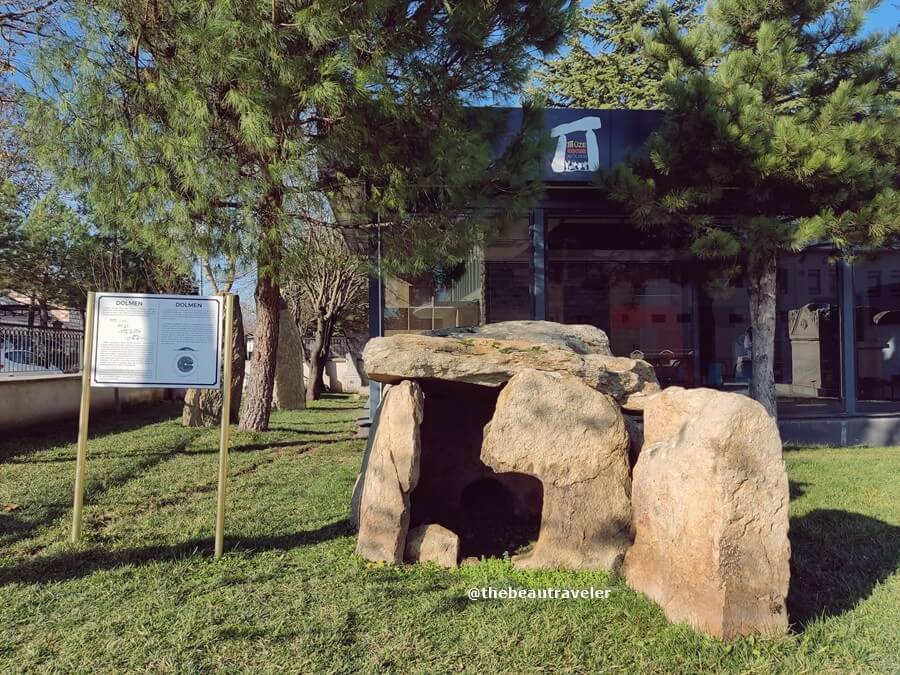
[{"x": 561, "y": 163}]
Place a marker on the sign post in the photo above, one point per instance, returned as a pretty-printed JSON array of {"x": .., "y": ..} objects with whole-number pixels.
[
  {"x": 158, "y": 341},
  {"x": 83, "y": 414},
  {"x": 225, "y": 427}
]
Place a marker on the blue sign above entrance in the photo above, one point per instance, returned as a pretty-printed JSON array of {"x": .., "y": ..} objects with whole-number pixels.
[{"x": 582, "y": 141}]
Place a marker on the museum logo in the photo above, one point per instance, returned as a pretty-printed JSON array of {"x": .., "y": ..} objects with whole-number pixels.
[{"x": 576, "y": 147}]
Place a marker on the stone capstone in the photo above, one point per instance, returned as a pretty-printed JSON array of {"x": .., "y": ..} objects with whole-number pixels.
[
  {"x": 477, "y": 358},
  {"x": 432, "y": 543},
  {"x": 573, "y": 439},
  {"x": 580, "y": 338},
  {"x": 710, "y": 499},
  {"x": 391, "y": 473}
]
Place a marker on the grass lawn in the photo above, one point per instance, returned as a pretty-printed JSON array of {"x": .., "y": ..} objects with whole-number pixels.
[{"x": 143, "y": 593}]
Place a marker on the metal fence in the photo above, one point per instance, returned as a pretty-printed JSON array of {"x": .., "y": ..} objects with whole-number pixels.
[
  {"x": 340, "y": 346},
  {"x": 33, "y": 351}
]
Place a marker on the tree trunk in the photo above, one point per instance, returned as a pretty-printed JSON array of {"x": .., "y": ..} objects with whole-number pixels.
[
  {"x": 761, "y": 281},
  {"x": 203, "y": 407},
  {"x": 258, "y": 403},
  {"x": 318, "y": 357},
  {"x": 289, "y": 392}
]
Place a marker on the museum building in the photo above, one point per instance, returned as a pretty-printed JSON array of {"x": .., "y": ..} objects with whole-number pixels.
[{"x": 577, "y": 259}]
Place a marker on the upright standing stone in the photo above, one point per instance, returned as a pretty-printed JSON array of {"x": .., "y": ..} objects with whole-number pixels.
[
  {"x": 710, "y": 499},
  {"x": 573, "y": 439},
  {"x": 289, "y": 392},
  {"x": 391, "y": 474}
]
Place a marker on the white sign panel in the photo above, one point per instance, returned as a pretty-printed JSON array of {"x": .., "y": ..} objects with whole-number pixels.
[{"x": 168, "y": 341}]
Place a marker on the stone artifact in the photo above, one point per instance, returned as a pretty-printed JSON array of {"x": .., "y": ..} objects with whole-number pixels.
[
  {"x": 491, "y": 362},
  {"x": 432, "y": 543},
  {"x": 573, "y": 438},
  {"x": 710, "y": 500},
  {"x": 815, "y": 350},
  {"x": 580, "y": 338},
  {"x": 511, "y": 438},
  {"x": 392, "y": 472},
  {"x": 288, "y": 392}
]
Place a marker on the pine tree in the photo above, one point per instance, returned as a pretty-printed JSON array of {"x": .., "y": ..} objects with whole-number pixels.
[
  {"x": 216, "y": 123},
  {"x": 604, "y": 66},
  {"x": 780, "y": 130}
]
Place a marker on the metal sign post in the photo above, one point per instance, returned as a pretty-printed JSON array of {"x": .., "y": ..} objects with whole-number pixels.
[{"x": 159, "y": 341}]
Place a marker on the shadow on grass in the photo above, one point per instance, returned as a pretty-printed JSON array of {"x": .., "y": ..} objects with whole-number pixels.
[
  {"x": 298, "y": 429},
  {"x": 36, "y": 439},
  {"x": 307, "y": 443},
  {"x": 797, "y": 489},
  {"x": 65, "y": 566},
  {"x": 12, "y": 531},
  {"x": 837, "y": 559}
]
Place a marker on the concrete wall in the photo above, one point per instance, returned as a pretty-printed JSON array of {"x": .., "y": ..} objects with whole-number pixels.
[
  {"x": 27, "y": 401},
  {"x": 343, "y": 375},
  {"x": 842, "y": 431}
]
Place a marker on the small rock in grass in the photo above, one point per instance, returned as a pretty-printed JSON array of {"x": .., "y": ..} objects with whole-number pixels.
[{"x": 433, "y": 543}]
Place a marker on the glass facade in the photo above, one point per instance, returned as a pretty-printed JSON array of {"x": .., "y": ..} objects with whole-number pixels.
[
  {"x": 508, "y": 274},
  {"x": 492, "y": 285},
  {"x": 657, "y": 303},
  {"x": 807, "y": 361},
  {"x": 876, "y": 281},
  {"x": 642, "y": 295},
  {"x": 414, "y": 305}
]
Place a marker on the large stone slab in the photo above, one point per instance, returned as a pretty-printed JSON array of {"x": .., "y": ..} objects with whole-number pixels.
[
  {"x": 391, "y": 473},
  {"x": 710, "y": 499},
  {"x": 580, "y": 338},
  {"x": 573, "y": 439},
  {"x": 477, "y": 358},
  {"x": 432, "y": 543}
]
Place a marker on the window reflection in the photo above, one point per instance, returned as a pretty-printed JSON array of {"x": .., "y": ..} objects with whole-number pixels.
[
  {"x": 508, "y": 274},
  {"x": 642, "y": 296},
  {"x": 656, "y": 301},
  {"x": 877, "y": 311},
  {"x": 418, "y": 304},
  {"x": 807, "y": 335}
]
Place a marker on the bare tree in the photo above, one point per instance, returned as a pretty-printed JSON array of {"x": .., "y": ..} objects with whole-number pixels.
[{"x": 321, "y": 280}]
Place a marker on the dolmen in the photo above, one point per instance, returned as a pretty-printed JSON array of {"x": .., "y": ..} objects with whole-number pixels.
[{"x": 535, "y": 430}]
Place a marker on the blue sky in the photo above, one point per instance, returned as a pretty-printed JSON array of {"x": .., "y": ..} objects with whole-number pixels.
[{"x": 885, "y": 17}]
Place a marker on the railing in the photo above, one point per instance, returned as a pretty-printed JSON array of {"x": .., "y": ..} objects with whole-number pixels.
[
  {"x": 33, "y": 351},
  {"x": 340, "y": 346}
]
